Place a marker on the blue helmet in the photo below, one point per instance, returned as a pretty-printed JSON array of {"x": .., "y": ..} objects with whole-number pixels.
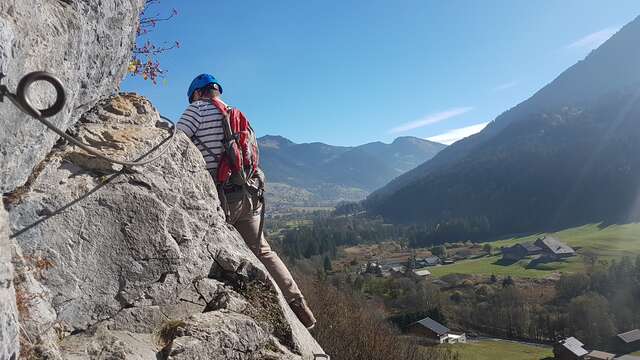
[{"x": 201, "y": 81}]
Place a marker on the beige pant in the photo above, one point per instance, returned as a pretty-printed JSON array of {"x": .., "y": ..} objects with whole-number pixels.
[{"x": 245, "y": 217}]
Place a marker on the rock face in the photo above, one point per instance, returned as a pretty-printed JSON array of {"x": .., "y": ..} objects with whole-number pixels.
[
  {"x": 8, "y": 310},
  {"x": 86, "y": 43},
  {"x": 112, "y": 263},
  {"x": 139, "y": 263}
]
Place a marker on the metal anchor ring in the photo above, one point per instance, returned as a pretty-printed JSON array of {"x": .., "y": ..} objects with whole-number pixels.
[
  {"x": 27, "y": 81},
  {"x": 21, "y": 100}
]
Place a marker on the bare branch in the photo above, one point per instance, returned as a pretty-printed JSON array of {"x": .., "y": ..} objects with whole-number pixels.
[{"x": 144, "y": 61}]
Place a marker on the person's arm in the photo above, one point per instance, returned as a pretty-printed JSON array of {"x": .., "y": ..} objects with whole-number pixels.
[{"x": 190, "y": 121}]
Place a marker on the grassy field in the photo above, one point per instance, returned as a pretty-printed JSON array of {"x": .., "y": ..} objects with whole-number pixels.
[
  {"x": 497, "y": 349},
  {"x": 607, "y": 243}
]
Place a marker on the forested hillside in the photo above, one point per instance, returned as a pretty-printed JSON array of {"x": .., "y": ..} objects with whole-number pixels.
[{"x": 565, "y": 156}]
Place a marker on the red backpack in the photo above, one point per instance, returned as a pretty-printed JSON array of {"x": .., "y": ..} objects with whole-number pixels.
[{"x": 240, "y": 158}]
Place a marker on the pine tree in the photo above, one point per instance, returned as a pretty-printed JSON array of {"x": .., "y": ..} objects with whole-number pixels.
[{"x": 327, "y": 264}]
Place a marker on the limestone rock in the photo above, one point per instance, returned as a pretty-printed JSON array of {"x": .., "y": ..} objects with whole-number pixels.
[
  {"x": 217, "y": 335},
  {"x": 107, "y": 344},
  {"x": 129, "y": 251},
  {"x": 86, "y": 43},
  {"x": 8, "y": 309},
  {"x": 222, "y": 335},
  {"x": 36, "y": 314}
]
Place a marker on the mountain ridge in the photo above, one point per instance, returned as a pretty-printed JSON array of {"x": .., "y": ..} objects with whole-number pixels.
[
  {"x": 339, "y": 173},
  {"x": 284, "y": 139}
]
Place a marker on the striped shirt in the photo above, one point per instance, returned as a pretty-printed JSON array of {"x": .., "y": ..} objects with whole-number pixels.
[{"x": 202, "y": 123}]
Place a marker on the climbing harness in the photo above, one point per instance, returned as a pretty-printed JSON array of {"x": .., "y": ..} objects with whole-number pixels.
[{"x": 21, "y": 100}]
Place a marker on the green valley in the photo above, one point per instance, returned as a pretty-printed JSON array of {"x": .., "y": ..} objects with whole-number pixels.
[
  {"x": 605, "y": 243},
  {"x": 500, "y": 349}
]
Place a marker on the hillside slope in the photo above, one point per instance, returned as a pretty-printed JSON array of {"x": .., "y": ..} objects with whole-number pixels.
[
  {"x": 564, "y": 156},
  {"x": 610, "y": 67}
]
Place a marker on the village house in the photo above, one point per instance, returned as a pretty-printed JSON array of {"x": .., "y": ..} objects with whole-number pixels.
[
  {"x": 422, "y": 273},
  {"x": 520, "y": 251},
  {"x": 397, "y": 271},
  {"x": 428, "y": 261},
  {"x": 434, "y": 332},
  {"x": 569, "y": 349},
  {"x": 629, "y": 341},
  {"x": 373, "y": 268},
  {"x": 554, "y": 248}
]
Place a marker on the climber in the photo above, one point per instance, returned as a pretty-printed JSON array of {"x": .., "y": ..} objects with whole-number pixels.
[{"x": 230, "y": 150}]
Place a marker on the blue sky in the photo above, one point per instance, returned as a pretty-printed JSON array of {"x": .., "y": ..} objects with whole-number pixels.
[{"x": 350, "y": 72}]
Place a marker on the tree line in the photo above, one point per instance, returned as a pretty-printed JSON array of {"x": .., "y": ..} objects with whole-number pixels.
[
  {"x": 592, "y": 306},
  {"x": 328, "y": 232}
]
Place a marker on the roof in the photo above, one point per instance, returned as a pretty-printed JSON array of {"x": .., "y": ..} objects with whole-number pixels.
[
  {"x": 530, "y": 247},
  {"x": 555, "y": 246},
  {"x": 600, "y": 355},
  {"x": 628, "y": 357},
  {"x": 573, "y": 340},
  {"x": 399, "y": 268},
  {"x": 432, "y": 260},
  {"x": 422, "y": 272},
  {"x": 433, "y": 325},
  {"x": 574, "y": 345},
  {"x": 630, "y": 336}
]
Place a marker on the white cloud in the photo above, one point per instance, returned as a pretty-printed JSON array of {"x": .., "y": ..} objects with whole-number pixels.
[
  {"x": 594, "y": 40},
  {"x": 431, "y": 119},
  {"x": 454, "y": 135},
  {"x": 505, "y": 86}
]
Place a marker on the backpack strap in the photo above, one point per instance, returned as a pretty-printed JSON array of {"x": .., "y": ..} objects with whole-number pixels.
[
  {"x": 226, "y": 124},
  {"x": 229, "y": 136}
]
